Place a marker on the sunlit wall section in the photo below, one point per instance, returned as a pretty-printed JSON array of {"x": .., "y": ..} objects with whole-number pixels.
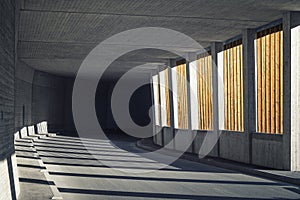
[
  {"x": 295, "y": 68},
  {"x": 194, "y": 94},
  {"x": 174, "y": 92},
  {"x": 164, "y": 95},
  {"x": 156, "y": 95}
]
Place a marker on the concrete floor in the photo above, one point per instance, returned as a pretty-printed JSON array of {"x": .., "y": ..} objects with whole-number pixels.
[{"x": 78, "y": 175}]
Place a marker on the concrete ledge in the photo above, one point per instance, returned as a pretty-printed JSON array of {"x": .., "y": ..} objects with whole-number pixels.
[{"x": 277, "y": 175}]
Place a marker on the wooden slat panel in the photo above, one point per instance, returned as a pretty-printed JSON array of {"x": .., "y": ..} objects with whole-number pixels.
[
  {"x": 204, "y": 92},
  {"x": 233, "y": 83},
  {"x": 182, "y": 96},
  {"x": 270, "y": 80}
]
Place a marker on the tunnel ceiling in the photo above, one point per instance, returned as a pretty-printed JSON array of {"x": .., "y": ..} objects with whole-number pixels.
[{"x": 56, "y": 35}]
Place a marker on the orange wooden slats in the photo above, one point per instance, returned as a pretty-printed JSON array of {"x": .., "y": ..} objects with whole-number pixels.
[
  {"x": 269, "y": 68},
  {"x": 204, "y": 83},
  {"x": 233, "y": 86},
  {"x": 182, "y": 96},
  {"x": 168, "y": 115}
]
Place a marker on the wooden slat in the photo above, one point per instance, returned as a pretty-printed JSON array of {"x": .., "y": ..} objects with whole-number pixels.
[
  {"x": 273, "y": 88},
  {"x": 268, "y": 81},
  {"x": 231, "y": 90},
  {"x": 281, "y": 82},
  {"x": 235, "y": 122},
  {"x": 263, "y": 85},
  {"x": 225, "y": 89},
  {"x": 238, "y": 83},
  {"x": 168, "y": 117},
  {"x": 277, "y": 84},
  {"x": 210, "y": 125},
  {"x": 242, "y": 89},
  {"x": 198, "y": 92},
  {"x": 202, "y": 93}
]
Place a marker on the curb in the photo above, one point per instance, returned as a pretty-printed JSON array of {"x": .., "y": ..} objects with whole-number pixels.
[{"x": 53, "y": 187}]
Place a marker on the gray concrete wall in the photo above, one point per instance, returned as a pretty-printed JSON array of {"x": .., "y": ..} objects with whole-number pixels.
[
  {"x": 198, "y": 141},
  {"x": 182, "y": 140},
  {"x": 23, "y": 95},
  {"x": 232, "y": 146},
  {"x": 9, "y": 186},
  {"x": 159, "y": 136},
  {"x": 168, "y": 137},
  {"x": 267, "y": 150},
  {"x": 40, "y": 97},
  {"x": 68, "y": 117},
  {"x": 48, "y": 100}
]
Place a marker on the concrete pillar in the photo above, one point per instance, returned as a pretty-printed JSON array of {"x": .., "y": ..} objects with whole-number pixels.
[
  {"x": 160, "y": 137},
  {"x": 291, "y": 88},
  {"x": 216, "y": 47},
  {"x": 171, "y": 64},
  {"x": 153, "y": 110},
  {"x": 249, "y": 91},
  {"x": 189, "y": 58}
]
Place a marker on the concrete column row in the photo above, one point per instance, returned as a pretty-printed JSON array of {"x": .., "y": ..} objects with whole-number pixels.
[{"x": 288, "y": 144}]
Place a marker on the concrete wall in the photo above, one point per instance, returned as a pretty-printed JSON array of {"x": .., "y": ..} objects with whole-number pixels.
[
  {"x": 48, "y": 100},
  {"x": 23, "y": 95},
  {"x": 198, "y": 141},
  {"x": 69, "y": 127},
  {"x": 39, "y": 97},
  {"x": 9, "y": 186},
  {"x": 232, "y": 146},
  {"x": 267, "y": 150}
]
